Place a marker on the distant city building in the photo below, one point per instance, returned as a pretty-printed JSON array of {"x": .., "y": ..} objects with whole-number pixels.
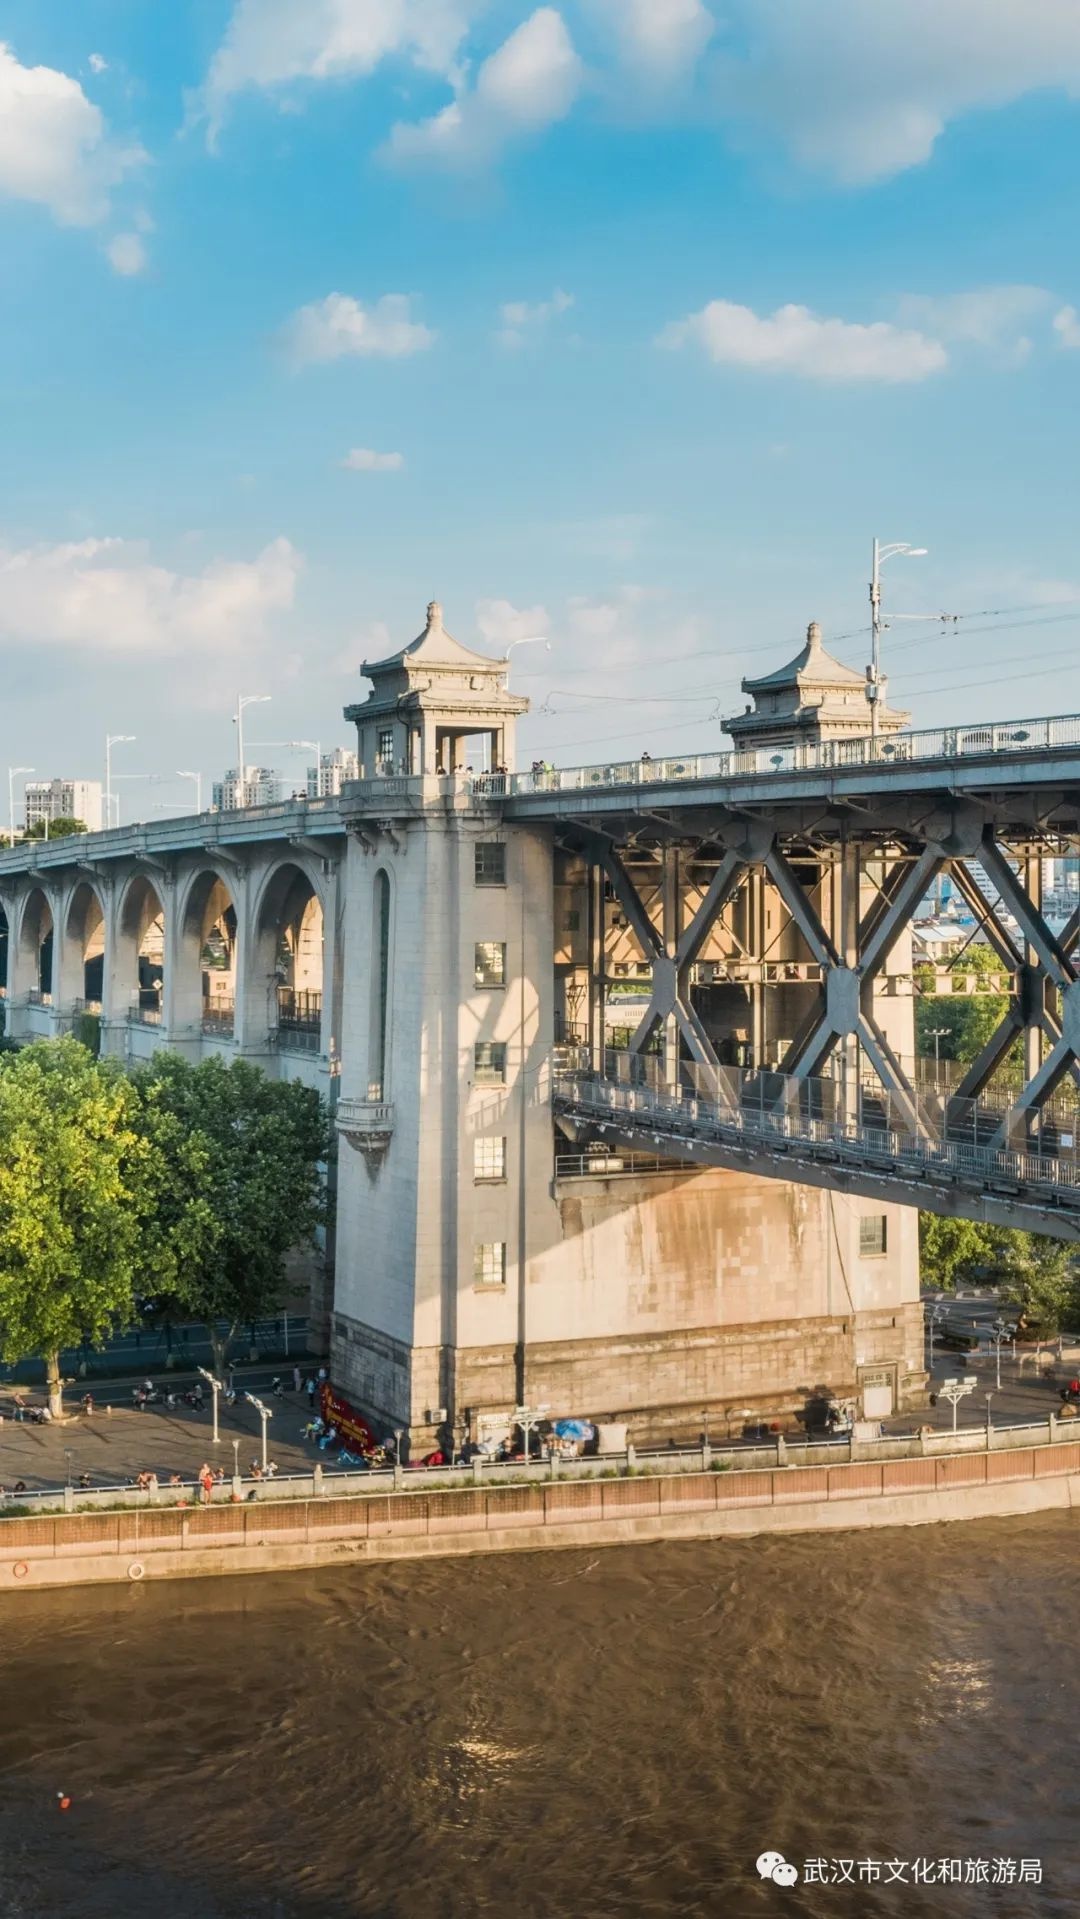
[
  {"x": 262, "y": 786},
  {"x": 325, "y": 781},
  {"x": 62, "y": 799}
]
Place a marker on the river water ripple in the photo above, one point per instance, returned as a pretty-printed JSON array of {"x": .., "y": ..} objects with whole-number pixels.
[{"x": 607, "y": 1733}]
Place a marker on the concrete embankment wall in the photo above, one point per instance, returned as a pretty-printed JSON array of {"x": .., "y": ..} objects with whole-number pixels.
[{"x": 174, "y": 1542}]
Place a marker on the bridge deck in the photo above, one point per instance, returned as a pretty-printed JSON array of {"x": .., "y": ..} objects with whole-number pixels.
[{"x": 1035, "y": 1191}]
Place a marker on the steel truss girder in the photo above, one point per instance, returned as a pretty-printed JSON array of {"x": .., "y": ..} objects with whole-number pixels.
[{"x": 670, "y": 994}]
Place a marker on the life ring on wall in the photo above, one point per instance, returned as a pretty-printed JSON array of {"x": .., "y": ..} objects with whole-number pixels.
[
  {"x": 136, "y": 1570},
  {"x": 20, "y": 1569}
]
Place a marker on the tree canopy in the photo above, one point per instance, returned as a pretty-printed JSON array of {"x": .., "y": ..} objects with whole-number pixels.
[
  {"x": 964, "y": 1021},
  {"x": 185, "y": 1185},
  {"x": 73, "y": 1168},
  {"x": 262, "y": 1146},
  {"x": 58, "y": 829}
]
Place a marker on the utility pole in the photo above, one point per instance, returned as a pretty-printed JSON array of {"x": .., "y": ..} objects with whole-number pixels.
[{"x": 875, "y": 685}]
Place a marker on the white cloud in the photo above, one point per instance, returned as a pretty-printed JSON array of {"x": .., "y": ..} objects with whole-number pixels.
[
  {"x": 794, "y": 340},
  {"x": 98, "y": 63},
  {"x": 500, "y": 621},
  {"x": 270, "y": 43},
  {"x": 108, "y": 597},
  {"x": 127, "y": 254},
  {"x": 519, "y": 318},
  {"x": 1067, "y": 327},
  {"x": 530, "y": 82},
  {"x": 657, "y": 39},
  {"x": 992, "y": 317},
  {"x": 862, "y": 89},
  {"x": 339, "y": 326},
  {"x": 364, "y": 459},
  {"x": 55, "y": 149}
]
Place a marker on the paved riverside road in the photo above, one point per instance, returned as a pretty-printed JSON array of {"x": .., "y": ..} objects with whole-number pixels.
[{"x": 114, "y": 1447}]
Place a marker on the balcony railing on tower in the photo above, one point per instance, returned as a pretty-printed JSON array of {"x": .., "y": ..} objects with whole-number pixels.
[
  {"x": 218, "y": 1016},
  {"x": 299, "y": 1019}
]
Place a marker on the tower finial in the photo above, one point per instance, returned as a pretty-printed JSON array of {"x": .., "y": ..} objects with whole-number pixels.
[
  {"x": 813, "y": 636},
  {"x": 434, "y": 614}
]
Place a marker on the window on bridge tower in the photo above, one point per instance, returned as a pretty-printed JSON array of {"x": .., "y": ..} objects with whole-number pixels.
[
  {"x": 490, "y": 963},
  {"x": 489, "y": 1264},
  {"x": 489, "y": 1159},
  {"x": 489, "y": 1062},
  {"x": 490, "y": 862},
  {"x": 872, "y": 1235}
]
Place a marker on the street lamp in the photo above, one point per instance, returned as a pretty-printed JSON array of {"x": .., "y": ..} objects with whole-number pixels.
[
  {"x": 264, "y": 1413},
  {"x": 528, "y": 1416},
  {"x": 534, "y": 639},
  {"x": 311, "y": 746},
  {"x": 934, "y": 1319},
  {"x": 197, "y": 777},
  {"x": 215, "y": 1387},
  {"x": 989, "y": 1397},
  {"x": 111, "y": 740},
  {"x": 1000, "y": 1336},
  {"x": 875, "y": 685},
  {"x": 954, "y": 1390},
  {"x": 937, "y": 1034},
  {"x": 12, "y": 771},
  {"x": 243, "y": 700}
]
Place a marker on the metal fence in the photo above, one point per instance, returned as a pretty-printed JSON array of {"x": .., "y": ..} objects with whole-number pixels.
[
  {"x": 936, "y": 743},
  {"x": 767, "y": 1109}
]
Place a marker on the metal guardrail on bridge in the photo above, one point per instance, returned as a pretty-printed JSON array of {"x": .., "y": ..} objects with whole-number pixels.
[
  {"x": 786, "y": 1141},
  {"x": 936, "y": 743}
]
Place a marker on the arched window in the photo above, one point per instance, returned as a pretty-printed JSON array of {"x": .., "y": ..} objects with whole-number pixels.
[{"x": 380, "y": 998}]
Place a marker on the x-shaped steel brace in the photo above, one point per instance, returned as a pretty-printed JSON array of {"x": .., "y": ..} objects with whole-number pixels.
[
  {"x": 670, "y": 994},
  {"x": 849, "y": 991},
  {"x": 1056, "y": 968}
]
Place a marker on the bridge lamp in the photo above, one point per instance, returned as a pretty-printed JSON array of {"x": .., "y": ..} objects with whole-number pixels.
[
  {"x": 894, "y": 550},
  {"x": 937, "y": 1034},
  {"x": 264, "y": 1413},
  {"x": 12, "y": 771},
  {"x": 215, "y": 1387},
  {"x": 243, "y": 700},
  {"x": 111, "y": 740},
  {"x": 532, "y": 639},
  {"x": 197, "y": 777}
]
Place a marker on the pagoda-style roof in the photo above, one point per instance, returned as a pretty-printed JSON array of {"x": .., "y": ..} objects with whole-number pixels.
[
  {"x": 812, "y": 698},
  {"x": 812, "y": 666},
  {"x": 434, "y": 647}
]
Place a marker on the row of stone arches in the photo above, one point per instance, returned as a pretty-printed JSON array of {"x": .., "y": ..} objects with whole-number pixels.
[{"x": 56, "y": 948}]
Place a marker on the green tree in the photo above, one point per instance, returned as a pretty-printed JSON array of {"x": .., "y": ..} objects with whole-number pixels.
[
  {"x": 965, "y": 1021},
  {"x": 72, "y": 1198},
  {"x": 1039, "y": 1276},
  {"x": 61, "y": 829},
  {"x": 953, "y": 1251},
  {"x": 262, "y": 1145}
]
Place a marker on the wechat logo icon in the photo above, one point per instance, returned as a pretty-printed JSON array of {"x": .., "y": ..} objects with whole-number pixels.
[{"x": 773, "y": 1865}]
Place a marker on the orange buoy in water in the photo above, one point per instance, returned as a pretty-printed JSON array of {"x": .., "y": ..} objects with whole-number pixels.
[{"x": 63, "y": 1802}]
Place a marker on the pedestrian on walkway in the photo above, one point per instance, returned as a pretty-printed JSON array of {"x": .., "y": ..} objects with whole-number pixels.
[
  {"x": 296, "y": 1379},
  {"x": 311, "y": 1393},
  {"x": 206, "y": 1481}
]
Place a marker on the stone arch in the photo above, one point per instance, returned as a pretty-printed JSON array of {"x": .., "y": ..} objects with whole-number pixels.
[
  {"x": 34, "y": 943},
  {"x": 81, "y": 970},
  {"x": 139, "y": 964},
  {"x": 287, "y": 954},
  {"x": 206, "y": 954}
]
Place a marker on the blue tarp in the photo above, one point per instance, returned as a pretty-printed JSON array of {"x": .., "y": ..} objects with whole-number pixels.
[{"x": 573, "y": 1429}]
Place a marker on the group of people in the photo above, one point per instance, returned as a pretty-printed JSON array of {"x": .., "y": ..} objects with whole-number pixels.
[{"x": 33, "y": 1415}]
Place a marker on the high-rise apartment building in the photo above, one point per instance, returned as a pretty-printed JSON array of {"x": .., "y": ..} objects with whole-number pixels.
[
  {"x": 60, "y": 799},
  {"x": 334, "y": 770},
  {"x": 262, "y": 786}
]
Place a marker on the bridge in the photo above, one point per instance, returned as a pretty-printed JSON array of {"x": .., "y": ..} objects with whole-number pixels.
[{"x": 448, "y": 956}]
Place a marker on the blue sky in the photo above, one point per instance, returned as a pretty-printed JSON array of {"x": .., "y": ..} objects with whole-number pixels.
[{"x": 628, "y": 322}]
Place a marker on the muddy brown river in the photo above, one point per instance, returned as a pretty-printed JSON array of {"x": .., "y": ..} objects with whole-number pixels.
[{"x": 581, "y": 1735}]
